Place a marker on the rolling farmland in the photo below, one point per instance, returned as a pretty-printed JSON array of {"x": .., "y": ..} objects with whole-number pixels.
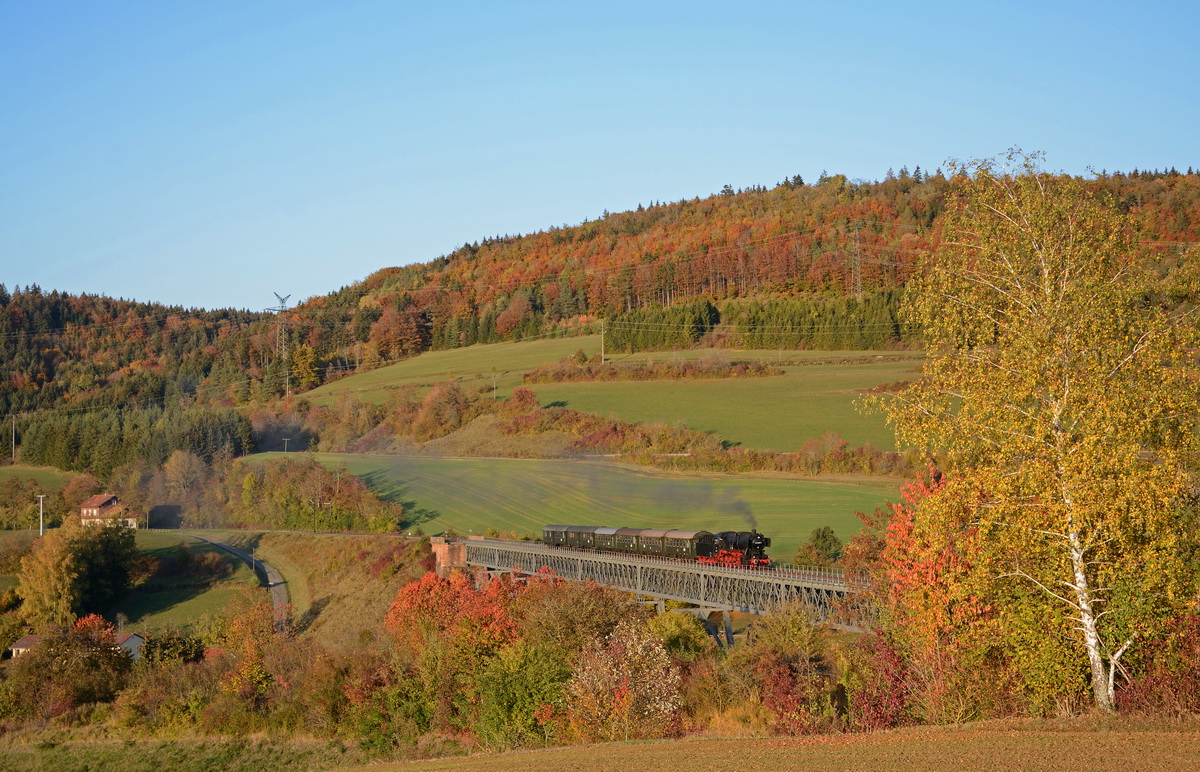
[
  {"x": 474, "y": 495},
  {"x": 817, "y": 393}
]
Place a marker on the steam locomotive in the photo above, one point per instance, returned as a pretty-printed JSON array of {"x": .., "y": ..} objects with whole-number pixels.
[{"x": 728, "y": 548}]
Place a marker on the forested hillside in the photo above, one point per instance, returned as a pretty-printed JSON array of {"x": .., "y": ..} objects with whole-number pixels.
[
  {"x": 92, "y": 351},
  {"x": 797, "y": 265}
]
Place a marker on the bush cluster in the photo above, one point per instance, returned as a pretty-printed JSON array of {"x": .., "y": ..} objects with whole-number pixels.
[{"x": 580, "y": 368}]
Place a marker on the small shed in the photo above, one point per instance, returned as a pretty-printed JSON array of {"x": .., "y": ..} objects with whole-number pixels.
[
  {"x": 131, "y": 643},
  {"x": 24, "y": 644}
]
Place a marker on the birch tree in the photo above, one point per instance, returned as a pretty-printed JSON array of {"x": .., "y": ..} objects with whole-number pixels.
[{"x": 1062, "y": 395}]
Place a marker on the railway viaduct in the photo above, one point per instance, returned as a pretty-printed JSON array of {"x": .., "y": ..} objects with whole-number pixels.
[{"x": 708, "y": 587}]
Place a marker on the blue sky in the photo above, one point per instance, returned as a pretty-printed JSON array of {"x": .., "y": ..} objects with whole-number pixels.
[{"x": 210, "y": 153}]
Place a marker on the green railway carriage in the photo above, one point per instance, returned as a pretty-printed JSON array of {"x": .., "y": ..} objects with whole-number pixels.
[
  {"x": 626, "y": 539},
  {"x": 730, "y": 548},
  {"x": 641, "y": 541},
  {"x": 555, "y": 535}
]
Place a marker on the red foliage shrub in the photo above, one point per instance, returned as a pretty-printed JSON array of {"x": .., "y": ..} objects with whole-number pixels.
[
  {"x": 796, "y": 692},
  {"x": 881, "y": 696},
  {"x": 1169, "y": 681}
]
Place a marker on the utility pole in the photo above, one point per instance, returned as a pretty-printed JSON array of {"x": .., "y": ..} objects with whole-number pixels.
[
  {"x": 285, "y": 442},
  {"x": 41, "y": 514},
  {"x": 601, "y": 341},
  {"x": 281, "y": 341},
  {"x": 316, "y": 508},
  {"x": 14, "y": 437}
]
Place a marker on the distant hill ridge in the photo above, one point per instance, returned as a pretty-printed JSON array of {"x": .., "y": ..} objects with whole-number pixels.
[{"x": 810, "y": 247}]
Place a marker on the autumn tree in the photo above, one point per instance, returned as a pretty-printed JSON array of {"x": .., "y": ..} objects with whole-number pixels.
[
  {"x": 1061, "y": 393},
  {"x": 304, "y": 366},
  {"x": 75, "y": 570},
  {"x": 520, "y": 692},
  {"x": 788, "y": 655},
  {"x": 446, "y": 631},
  {"x": 624, "y": 688}
]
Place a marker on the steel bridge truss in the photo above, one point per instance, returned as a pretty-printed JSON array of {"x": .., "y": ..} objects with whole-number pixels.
[{"x": 754, "y": 591}]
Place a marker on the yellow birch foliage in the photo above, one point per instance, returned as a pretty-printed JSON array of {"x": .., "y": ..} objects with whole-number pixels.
[{"x": 1065, "y": 400}]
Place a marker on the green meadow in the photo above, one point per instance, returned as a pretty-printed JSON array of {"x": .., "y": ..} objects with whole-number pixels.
[
  {"x": 47, "y": 477},
  {"x": 162, "y": 602},
  {"x": 521, "y": 496},
  {"x": 177, "y": 603},
  {"x": 507, "y": 361},
  {"x": 818, "y": 393},
  {"x": 774, "y": 413}
]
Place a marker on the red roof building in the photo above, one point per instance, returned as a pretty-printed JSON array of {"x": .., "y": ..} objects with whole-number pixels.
[{"x": 106, "y": 509}]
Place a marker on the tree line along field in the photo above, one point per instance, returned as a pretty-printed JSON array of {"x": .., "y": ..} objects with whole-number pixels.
[
  {"x": 816, "y": 394},
  {"x": 521, "y": 496},
  {"x": 165, "y": 601}
]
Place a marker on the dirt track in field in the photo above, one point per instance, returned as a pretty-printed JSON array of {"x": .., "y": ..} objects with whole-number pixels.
[{"x": 995, "y": 745}]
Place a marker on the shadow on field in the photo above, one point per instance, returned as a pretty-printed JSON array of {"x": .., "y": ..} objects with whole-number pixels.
[
  {"x": 415, "y": 516},
  {"x": 183, "y": 572},
  {"x": 385, "y": 487},
  {"x": 141, "y": 603},
  {"x": 166, "y": 516},
  {"x": 397, "y": 491},
  {"x": 314, "y": 611}
]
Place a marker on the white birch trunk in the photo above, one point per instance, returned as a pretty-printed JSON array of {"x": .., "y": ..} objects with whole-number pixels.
[{"x": 1102, "y": 682}]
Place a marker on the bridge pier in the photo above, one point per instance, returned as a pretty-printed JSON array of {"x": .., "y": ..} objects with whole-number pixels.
[
  {"x": 450, "y": 555},
  {"x": 705, "y": 614},
  {"x": 660, "y": 605}
]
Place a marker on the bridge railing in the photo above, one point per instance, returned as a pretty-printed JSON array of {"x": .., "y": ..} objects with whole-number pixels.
[{"x": 815, "y": 574}]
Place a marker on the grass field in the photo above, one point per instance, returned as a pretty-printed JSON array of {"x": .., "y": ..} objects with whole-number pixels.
[
  {"x": 1084, "y": 744},
  {"x": 775, "y": 413},
  {"x": 262, "y": 546},
  {"x": 91, "y": 749},
  {"x": 162, "y": 603},
  {"x": 509, "y": 362},
  {"x": 817, "y": 393},
  {"x": 473, "y": 495},
  {"x": 178, "y": 603},
  {"x": 47, "y": 477}
]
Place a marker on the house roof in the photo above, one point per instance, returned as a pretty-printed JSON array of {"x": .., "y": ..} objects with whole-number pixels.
[
  {"x": 99, "y": 500},
  {"x": 27, "y": 642},
  {"x": 31, "y": 640}
]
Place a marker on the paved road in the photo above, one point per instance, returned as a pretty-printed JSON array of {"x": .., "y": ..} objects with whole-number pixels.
[{"x": 274, "y": 580}]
